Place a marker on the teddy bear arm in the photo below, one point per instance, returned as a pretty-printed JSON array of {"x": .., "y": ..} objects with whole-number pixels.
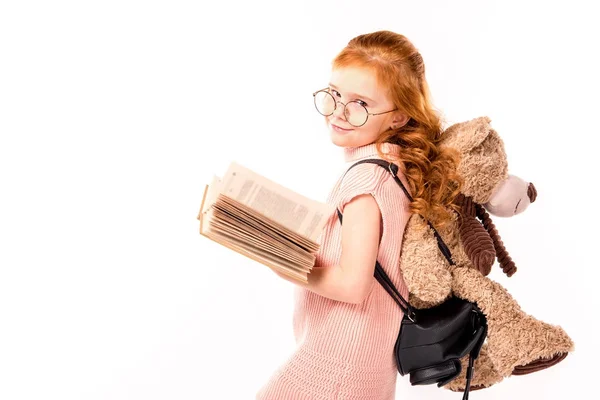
[
  {"x": 424, "y": 269},
  {"x": 427, "y": 279}
]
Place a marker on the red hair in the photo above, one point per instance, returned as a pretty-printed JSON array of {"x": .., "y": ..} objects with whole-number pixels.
[{"x": 431, "y": 171}]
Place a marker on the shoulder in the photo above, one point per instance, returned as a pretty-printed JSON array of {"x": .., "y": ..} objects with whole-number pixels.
[
  {"x": 362, "y": 179},
  {"x": 365, "y": 175}
]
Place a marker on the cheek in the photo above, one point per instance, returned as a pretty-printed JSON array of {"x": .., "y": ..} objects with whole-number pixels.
[
  {"x": 370, "y": 127},
  {"x": 377, "y": 127}
]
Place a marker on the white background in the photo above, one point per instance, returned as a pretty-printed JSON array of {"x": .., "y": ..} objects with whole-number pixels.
[{"x": 115, "y": 114}]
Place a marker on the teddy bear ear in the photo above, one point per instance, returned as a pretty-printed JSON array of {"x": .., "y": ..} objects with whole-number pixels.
[{"x": 464, "y": 136}]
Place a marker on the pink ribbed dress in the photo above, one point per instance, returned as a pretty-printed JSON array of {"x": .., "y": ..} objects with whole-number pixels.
[{"x": 344, "y": 350}]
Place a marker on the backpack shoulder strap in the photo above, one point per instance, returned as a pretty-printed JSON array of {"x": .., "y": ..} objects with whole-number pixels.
[{"x": 393, "y": 168}]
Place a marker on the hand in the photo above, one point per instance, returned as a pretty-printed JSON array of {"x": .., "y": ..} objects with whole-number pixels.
[{"x": 288, "y": 278}]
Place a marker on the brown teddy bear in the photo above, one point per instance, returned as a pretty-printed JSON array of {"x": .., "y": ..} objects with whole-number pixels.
[{"x": 517, "y": 343}]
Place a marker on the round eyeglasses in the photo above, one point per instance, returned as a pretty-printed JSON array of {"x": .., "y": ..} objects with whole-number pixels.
[{"x": 356, "y": 114}]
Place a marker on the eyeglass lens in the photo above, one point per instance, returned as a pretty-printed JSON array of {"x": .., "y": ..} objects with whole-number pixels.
[{"x": 354, "y": 112}]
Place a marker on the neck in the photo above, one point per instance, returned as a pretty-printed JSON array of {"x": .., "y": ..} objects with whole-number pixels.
[{"x": 370, "y": 150}]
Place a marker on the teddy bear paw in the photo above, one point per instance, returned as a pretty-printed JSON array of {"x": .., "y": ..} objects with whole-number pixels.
[{"x": 539, "y": 364}]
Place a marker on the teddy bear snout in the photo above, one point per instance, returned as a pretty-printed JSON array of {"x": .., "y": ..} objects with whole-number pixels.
[{"x": 511, "y": 197}]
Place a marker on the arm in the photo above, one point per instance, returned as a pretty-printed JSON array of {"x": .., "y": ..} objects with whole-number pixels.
[{"x": 351, "y": 280}]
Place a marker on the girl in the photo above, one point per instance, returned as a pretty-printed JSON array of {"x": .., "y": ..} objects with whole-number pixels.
[{"x": 376, "y": 105}]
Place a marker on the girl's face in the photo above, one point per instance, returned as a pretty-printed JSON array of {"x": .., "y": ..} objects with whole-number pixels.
[{"x": 357, "y": 84}]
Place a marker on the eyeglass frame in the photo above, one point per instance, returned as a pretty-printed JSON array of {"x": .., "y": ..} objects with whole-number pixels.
[{"x": 352, "y": 101}]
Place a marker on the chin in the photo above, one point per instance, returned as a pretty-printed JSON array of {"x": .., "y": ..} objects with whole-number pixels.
[
  {"x": 339, "y": 143},
  {"x": 340, "y": 139}
]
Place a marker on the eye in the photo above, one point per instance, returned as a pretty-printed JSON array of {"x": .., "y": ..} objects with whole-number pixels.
[
  {"x": 335, "y": 93},
  {"x": 362, "y": 103}
]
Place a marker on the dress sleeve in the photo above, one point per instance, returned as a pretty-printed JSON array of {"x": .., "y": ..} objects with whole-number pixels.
[{"x": 362, "y": 179}]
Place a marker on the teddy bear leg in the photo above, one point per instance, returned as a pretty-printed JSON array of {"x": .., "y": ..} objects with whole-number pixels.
[
  {"x": 484, "y": 374},
  {"x": 518, "y": 343}
]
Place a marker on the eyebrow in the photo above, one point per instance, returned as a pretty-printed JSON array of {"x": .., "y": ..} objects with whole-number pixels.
[{"x": 355, "y": 94}]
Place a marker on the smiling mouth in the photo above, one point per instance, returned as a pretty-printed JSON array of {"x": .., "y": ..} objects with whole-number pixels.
[{"x": 340, "y": 128}]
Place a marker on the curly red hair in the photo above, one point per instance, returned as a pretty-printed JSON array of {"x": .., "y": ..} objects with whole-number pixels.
[{"x": 431, "y": 171}]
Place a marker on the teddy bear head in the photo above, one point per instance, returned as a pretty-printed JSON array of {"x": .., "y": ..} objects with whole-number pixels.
[{"x": 487, "y": 186}]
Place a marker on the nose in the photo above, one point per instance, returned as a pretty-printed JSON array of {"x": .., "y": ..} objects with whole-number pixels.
[{"x": 339, "y": 111}]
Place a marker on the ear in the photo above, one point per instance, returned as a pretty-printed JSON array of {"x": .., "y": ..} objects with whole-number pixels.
[
  {"x": 464, "y": 136},
  {"x": 399, "y": 120}
]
